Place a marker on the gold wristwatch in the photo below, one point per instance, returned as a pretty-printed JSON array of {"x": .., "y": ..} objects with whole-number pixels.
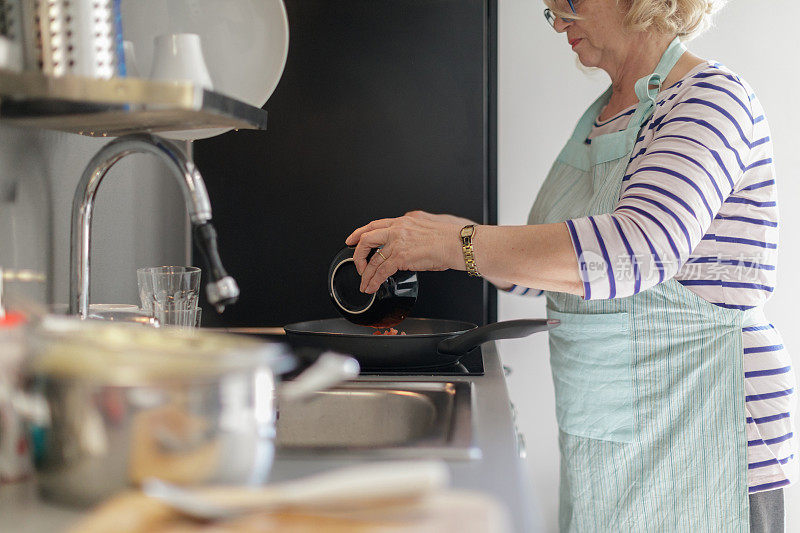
[{"x": 469, "y": 254}]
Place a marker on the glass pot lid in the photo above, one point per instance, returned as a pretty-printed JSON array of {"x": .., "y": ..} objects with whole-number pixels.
[{"x": 128, "y": 354}]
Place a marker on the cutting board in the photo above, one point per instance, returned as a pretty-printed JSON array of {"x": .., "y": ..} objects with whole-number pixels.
[{"x": 452, "y": 510}]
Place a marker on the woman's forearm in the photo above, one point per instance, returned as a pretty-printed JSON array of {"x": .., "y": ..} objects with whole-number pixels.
[{"x": 540, "y": 256}]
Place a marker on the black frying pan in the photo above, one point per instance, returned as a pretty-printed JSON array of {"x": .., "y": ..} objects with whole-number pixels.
[{"x": 427, "y": 342}]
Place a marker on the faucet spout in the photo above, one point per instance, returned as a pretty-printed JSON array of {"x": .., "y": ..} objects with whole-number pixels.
[{"x": 221, "y": 289}]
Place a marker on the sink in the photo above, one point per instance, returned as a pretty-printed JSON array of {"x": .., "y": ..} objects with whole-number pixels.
[{"x": 388, "y": 419}]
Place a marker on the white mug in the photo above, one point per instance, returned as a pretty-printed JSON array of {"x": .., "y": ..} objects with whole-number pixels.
[{"x": 179, "y": 56}]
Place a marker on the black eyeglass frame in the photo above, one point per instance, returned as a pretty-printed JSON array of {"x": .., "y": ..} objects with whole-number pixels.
[{"x": 550, "y": 17}]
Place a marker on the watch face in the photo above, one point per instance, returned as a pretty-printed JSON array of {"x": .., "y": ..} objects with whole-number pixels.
[{"x": 467, "y": 231}]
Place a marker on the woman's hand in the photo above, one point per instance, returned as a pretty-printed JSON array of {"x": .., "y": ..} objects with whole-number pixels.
[
  {"x": 452, "y": 219},
  {"x": 415, "y": 241}
]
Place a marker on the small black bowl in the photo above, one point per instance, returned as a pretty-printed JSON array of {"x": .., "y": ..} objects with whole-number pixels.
[{"x": 389, "y": 305}]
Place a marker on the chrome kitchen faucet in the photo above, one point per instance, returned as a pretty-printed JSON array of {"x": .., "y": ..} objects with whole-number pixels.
[{"x": 221, "y": 289}]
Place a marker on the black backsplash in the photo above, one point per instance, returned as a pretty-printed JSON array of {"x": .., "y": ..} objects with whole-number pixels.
[{"x": 385, "y": 106}]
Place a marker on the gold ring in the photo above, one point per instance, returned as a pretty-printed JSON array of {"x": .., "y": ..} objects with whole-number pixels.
[{"x": 380, "y": 254}]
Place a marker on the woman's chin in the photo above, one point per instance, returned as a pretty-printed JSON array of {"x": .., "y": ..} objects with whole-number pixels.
[{"x": 586, "y": 61}]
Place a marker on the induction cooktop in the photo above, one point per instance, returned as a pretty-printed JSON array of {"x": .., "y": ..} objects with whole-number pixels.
[{"x": 470, "y": 364}]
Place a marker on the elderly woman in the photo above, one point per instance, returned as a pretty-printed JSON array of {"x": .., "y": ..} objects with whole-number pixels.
[{"x": 654, "y": 237}]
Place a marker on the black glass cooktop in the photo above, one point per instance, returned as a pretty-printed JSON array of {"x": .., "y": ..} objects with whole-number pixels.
[{"x": 470, "y": 364}]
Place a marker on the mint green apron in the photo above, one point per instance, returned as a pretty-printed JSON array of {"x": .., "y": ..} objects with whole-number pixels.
[{"x": 649, "y": 389}]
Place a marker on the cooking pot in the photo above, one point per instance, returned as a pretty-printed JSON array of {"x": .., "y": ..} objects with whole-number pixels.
[{"x": 114, "y": 404}]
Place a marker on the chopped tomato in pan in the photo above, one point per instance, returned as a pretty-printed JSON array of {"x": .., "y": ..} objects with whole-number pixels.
[{"x": 390, "y": 331}]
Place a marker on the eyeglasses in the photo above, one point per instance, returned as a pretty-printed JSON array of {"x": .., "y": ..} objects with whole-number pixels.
[{"x": 550, "y": 17}]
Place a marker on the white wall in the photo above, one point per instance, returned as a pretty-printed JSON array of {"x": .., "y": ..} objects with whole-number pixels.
[
  {"x": 139, "y": 215},
  {"x": 542, "y": 94}
]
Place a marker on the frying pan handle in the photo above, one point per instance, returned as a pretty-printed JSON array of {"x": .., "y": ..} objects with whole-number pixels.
[{"x": 509, "y": 329}]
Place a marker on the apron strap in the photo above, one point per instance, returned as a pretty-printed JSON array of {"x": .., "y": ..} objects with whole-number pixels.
[
  {"x": 643, "y": 90},
  {"x": 648, "y": 87}
]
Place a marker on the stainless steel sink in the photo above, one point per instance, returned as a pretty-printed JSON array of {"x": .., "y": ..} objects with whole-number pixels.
[{"x": 387, "y": 419}]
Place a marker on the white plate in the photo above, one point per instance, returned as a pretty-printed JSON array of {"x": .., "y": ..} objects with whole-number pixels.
[{"x": 244, "y": 42}]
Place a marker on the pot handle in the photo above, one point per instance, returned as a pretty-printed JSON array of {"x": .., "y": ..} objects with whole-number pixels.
[
  {"x": 329, "y": 369},
  {"x": 509, "y": 329}
]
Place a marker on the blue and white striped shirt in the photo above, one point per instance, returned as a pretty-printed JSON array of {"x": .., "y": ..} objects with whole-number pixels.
[{"x": 698, "y": 203}]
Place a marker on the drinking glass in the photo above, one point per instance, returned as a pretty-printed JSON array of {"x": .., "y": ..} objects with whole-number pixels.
[
  {"x": 184, "y": 318},
  {"x": 170, "y": 288}
]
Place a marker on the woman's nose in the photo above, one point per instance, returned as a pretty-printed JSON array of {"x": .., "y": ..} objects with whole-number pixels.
[{"x": 561, "y": 25}]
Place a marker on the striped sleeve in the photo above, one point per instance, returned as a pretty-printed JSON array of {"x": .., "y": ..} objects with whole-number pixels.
[
  {"x": 523, "y": 291},
  {"x": 685, "y": 165}
]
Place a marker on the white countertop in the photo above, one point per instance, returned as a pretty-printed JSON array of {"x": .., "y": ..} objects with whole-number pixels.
[{"x": 500, "y": 472}]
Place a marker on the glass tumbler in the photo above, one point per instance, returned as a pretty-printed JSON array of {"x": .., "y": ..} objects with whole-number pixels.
[
  {"x": 185, "y": 318},
  {"x": 168, "y": 288}
]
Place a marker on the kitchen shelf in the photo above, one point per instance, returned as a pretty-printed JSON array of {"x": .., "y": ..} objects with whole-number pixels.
[{"x": 119, "y": 106}]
